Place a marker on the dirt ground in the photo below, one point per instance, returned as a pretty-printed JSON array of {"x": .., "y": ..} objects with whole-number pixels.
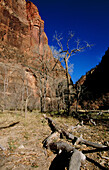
[{"x": 23, "y": 142}]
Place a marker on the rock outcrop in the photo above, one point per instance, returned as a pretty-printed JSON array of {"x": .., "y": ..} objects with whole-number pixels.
[
  {"x": 95, "y": 86},
  {"x": 21, "y": 27},
  {"x": 24, "y": 48}
]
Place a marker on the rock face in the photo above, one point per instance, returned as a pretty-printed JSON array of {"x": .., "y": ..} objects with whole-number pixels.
[
  {"x": 21, "y": 26},
  {"x": 95, "y": 86},
  {"x": 24, "y": 49}
]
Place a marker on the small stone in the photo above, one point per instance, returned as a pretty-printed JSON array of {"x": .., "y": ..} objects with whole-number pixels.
[{"x": 21, "y": 147}]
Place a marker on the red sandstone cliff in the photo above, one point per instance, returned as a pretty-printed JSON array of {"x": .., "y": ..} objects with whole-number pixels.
[
  {"x": 21, "y": 26},
  {"x": 24, "y": 48}
]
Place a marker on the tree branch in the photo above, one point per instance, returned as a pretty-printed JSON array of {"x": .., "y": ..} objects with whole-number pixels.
[{"x": 96, "y": 163}]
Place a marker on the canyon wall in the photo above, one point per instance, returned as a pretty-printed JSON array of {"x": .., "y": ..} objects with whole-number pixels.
[
  {"x": 27, "y": 66},
  {"x": 95, "y": 86}
]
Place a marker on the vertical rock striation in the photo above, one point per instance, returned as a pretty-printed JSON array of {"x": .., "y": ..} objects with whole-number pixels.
[{"x": 24, "y": 45}]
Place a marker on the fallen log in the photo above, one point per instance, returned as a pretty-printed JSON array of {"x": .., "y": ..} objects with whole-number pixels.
[
  {"x": 54, "y": 127},
  {"x": 73, "y": 157},
  {"x": 76, "y": 140},
  {"x": 76, "y": 159},
  {"x": 52, "y": 137},
  {"x": 52, "y": 124}
]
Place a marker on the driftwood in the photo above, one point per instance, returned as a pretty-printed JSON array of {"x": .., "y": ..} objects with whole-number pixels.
[
  {"x": 71, "y": 158},
  {"x": 76, "y": 159},
  {"x": 8, "y": 126}
]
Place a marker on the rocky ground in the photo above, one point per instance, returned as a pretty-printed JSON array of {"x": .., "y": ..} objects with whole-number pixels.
[{"x": 23, "y": 142}]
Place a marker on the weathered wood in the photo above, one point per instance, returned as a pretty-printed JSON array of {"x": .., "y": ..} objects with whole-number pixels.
[
  {"x": 76, "y": 159},
  {"x": 96, "y": 150},
  {"x": 104, "y": 157},
  {"x": 61, "y": 146},
  {"x": 89, "y": 143},
  {"x": 50, "y": 139},
  {"x": 8, "y": 126},
  {"x": 54, "y": 127}
]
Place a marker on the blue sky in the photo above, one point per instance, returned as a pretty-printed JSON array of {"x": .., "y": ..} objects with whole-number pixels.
[{"x": 87, "y": 19}]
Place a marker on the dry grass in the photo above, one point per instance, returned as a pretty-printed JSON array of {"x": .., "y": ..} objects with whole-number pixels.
[{"x": 23, "y": 142}]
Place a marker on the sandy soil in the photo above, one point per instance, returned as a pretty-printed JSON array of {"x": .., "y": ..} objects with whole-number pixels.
[{"x": 23, "y": 142}]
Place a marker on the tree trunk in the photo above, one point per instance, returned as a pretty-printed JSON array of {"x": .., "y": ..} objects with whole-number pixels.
[
  {"x": 77, "y": 104},
  {"x": 41, "y": 104},
  {"x": 68, "y": 86},
  {"x": 26, "y": 104},
  {"x": 45, "y": 91}
]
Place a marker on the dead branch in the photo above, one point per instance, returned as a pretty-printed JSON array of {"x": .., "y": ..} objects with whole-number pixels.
[
  {"x": 96, "y": 163},
  {"x": 76, "y": 157},
  {"x": 52, "y": 137},
  {"x": 104, "y": 157},
  {"x": 54, "y": 127},
  {"x": 89, "y": 143},
  {"x": 91, "y": 121},
  {"x": 61, "y": 148},
  {"x": 81, "y": 140},
  {"x": 96, "y": 150},
  {"x": 11, "y": 125}
]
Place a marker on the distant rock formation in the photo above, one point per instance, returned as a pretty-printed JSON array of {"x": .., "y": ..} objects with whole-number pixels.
[
  {"x": 95, "y": 86},
  {"x": 25, "y": 55}
]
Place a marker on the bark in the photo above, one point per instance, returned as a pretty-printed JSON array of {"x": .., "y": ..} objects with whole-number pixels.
[{"x": 68, "y": 86}]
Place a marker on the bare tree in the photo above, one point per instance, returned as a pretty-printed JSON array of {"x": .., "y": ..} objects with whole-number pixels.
[
  {"x": 68, "y": 53},
  {"x": 46, "y": 72},
  {"x": 15, "y": 89}
]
